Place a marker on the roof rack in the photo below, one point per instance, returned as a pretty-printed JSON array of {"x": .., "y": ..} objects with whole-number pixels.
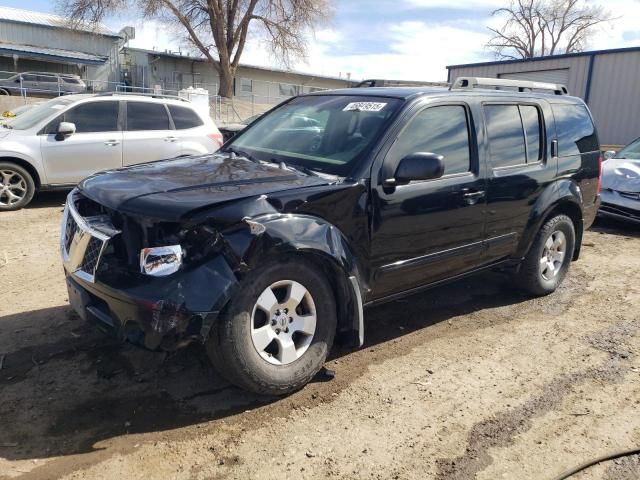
[
  {"x": 469, "y": 83},
  {"x": 398, "y": 83},
  {"x": 137, "y": 94}
]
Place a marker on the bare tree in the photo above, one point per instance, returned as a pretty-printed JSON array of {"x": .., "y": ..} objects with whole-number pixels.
[
  {"x": 535, "y": 28},
  {"x": 219, "y": 29}
]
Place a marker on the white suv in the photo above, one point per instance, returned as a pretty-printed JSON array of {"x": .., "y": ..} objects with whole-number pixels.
[{"x": 62, "y": 141}]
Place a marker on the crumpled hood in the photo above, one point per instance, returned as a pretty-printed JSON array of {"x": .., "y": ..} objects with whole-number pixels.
[
  {"x": 621, "y": 175},
  {"x": 172, "y": 189}
]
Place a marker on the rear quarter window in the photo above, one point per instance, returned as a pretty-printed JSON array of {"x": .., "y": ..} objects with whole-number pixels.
[
  {"x": 184, "y": 117},
  {"x": 575, "y": 130}
]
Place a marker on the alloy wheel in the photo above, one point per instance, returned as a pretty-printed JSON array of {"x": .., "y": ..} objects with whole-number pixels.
[
  {"x": 283, "y": 322},
  {"x": 553, "y": 253},
  {"x": 13, "y": 187}
]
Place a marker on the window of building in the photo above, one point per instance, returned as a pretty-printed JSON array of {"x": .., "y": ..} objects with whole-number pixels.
[
  {"x": 287, "y": 90},
  {"x": 147, "y": 116},
  {"x": 441, "y": 130},
  {"x": 246, "y": 85},
  {"x": 515, "y": 134},
  {"x": 575, "y": 130},
  {"x": 184, "y": 117}
]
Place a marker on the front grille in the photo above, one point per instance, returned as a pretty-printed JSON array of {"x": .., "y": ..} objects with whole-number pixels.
[
  {"x": 71, "y": 227},
  {"x": 91, "y": 234},
  {"x": 92, "y": 255}
]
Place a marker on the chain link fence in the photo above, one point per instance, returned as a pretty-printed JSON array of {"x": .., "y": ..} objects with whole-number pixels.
[{"x": 252, "y": 97}]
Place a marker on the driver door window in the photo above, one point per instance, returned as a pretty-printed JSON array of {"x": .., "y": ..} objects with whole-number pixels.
[{"x": 442, "y": 130}]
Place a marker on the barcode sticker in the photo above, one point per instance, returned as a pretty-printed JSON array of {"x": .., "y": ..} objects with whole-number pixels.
[{"x": 364, "y": 107}]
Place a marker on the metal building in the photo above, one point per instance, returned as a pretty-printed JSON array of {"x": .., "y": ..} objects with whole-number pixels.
[
  {"x": 607, "y": 80},
  {"x": 34, "y": 41}
]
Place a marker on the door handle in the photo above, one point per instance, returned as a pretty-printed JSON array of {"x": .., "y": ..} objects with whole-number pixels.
[
  {"x": 112, "y": 143},
  {"x": 170, "y": 139},
  {"x": 472, "y": 197}
]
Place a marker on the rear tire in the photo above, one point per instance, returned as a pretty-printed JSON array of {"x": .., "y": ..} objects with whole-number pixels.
[
  {"x": 267, "y": 340},
  {"x": 5, "y": 92},
  {"x": 16, "y": 187},
  {"x": 548, "y": 259}
]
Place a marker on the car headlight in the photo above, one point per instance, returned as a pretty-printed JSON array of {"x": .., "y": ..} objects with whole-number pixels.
[{"x": 160, "y": 261}]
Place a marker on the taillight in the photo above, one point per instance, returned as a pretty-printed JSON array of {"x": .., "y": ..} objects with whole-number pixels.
[
  {"x": 216, "y": 137},
  {"x": 599, "y": 174}
]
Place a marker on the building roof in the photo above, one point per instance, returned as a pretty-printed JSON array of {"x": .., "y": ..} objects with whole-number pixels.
[
  {"x": 50, "y": 54},
  {"x": 202, "y": 59},
  {"x": 548, "y": 57},
  {"x": 17, "y": 15}
]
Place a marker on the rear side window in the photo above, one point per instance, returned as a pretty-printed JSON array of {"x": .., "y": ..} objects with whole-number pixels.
[
  {"x": 440, "y": 130},
  {"x": 515, "y": 134},
  {"x": 532, "y": 130},
  {"x": 89, "y": 117},
  {"x": 575, "y": 130},
  {"x": 147, "y": 116},
  {"x": 184, "y": 117}
]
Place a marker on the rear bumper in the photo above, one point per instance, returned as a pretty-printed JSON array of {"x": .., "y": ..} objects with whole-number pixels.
[{"x": 159, "y": 312}]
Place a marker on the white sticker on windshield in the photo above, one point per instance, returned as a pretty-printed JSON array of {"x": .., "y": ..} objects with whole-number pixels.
[
  {"x": 58, "y": 107},
  {"x": 364, "y": 107}
]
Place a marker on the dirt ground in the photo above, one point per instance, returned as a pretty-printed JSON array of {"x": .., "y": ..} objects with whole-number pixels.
[{"x": 470, "y": 380}]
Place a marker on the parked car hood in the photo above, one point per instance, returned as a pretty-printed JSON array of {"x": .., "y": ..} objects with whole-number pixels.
[
  {"x": 621, "y": 174},
  {"x": 172, "y": 189}
]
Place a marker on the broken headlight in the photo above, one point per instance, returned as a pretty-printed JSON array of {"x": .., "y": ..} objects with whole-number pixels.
[{"x": 161, "y": 261}]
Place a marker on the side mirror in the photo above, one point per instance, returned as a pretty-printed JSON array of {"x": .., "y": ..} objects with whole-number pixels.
[
  {"x": 65, "y": 129},
  {"x": 418, "y": 166},
  {"x": 609, "y": 154}
]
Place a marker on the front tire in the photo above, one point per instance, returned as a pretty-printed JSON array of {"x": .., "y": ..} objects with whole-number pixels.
[
  {"x": 548, "y": 259},
  {"x": 16, "y": 187},
  {"x": 276, "y": 333}
]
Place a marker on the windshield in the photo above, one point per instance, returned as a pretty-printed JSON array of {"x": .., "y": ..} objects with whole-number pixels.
[
  {"x": 631, "y": 151},
  {"x": 327, "y": 133},
  {"x": 38, "y": 113}
]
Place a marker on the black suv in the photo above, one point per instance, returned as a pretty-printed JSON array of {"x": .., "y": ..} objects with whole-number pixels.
[{"x": 268, "y": 248}]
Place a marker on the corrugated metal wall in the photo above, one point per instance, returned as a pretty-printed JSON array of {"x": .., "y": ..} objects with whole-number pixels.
[
  {"x": 29, "y": 34},
  {"x": 42, "y": 36},
  {"x": 614, "y": 96}
]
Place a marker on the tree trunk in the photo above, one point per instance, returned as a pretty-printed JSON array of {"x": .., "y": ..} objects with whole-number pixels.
[{"x": 225, "y": 88}]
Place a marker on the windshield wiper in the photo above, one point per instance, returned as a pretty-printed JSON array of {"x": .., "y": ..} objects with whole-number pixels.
[
  {"x": 299, "y": 168},
  {"x": 241, "y": 153}
]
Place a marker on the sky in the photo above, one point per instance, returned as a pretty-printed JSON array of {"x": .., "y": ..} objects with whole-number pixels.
[{"x": 393, "y": 39}]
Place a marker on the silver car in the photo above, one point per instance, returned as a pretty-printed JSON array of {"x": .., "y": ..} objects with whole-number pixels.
[
  {"x": 62, "y": 141},
  {"x": 621, "y": 184},
  {"x": 41, "y": 84}
]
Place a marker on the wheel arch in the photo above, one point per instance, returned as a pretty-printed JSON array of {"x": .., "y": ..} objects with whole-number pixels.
[
  {"x": 565, "y": 198},
  {"x": 317, "y": 241},
  {"x": 27, "y": 166}
]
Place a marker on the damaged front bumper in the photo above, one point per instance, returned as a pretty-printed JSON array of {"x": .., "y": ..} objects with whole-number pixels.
[
  {"x": 620, "y": 205},
  {"x": 159, "y": 312}
]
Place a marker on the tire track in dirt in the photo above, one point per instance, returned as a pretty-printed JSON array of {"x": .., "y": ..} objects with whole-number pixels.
[{"x": 503, "y": 427}]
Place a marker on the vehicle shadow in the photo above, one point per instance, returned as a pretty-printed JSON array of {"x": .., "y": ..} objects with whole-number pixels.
[
  {"x": 64, "y": 388},
  {"x": 48, "y": 199}
]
